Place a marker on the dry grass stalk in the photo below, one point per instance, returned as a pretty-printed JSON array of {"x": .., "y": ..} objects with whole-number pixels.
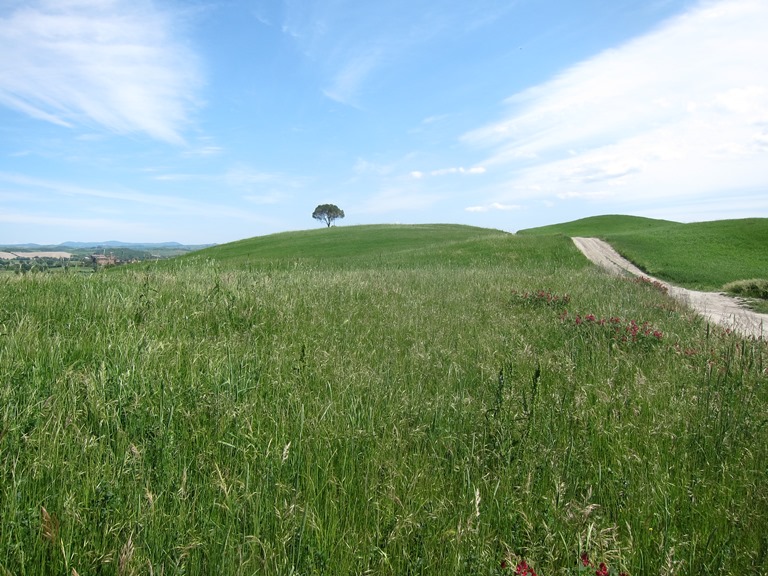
[
  {"x": 126, "y": 554},
  {"x": 50, "y": 526}
]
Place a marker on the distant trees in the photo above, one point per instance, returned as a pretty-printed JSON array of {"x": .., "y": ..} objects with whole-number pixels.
[{"x": 327, "y": 213}]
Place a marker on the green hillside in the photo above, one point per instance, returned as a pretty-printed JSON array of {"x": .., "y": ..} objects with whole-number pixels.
[
  {"x": 346, "y": 241},
  {"x": 363, "y": 247},
  {"x": 700, "y": 255}
]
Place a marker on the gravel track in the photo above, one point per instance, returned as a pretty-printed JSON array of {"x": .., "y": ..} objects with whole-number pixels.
[{"x": 715, "y": 307}]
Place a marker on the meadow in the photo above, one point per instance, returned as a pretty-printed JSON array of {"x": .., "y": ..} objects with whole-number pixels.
[{"x": 376, "y": 400}]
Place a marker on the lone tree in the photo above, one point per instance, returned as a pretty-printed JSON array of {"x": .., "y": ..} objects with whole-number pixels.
[{"x": 327, "y": 213}]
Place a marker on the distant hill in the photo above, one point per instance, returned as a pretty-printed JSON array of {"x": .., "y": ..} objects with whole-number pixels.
[
  {"x": 134, "y": 245},
  {"x": 600, "y": 226},
  {"x": 108, "y": 244},
  {"x": 699, "y": 255}
]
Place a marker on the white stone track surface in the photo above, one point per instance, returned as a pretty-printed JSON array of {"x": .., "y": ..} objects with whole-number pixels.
[{"x": 715, "y": 307}]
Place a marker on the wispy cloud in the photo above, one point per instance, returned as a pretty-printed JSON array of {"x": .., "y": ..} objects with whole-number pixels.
[
  {"x": 678, "y": 112},
  {"x": 112, "y": 226},
  {"x": 475, "y": 170},
  {"x": 126, "y": 198},
  {"x": 240, "y": 178},
  {"x": 398, "y": 199},
  {"x": 113, "y": 63},
  {"x": 350, "y": 41}
]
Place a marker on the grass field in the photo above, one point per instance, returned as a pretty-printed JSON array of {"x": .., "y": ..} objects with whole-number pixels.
[
  {"x": 375, "y": 400},
  {"x": 700, "y": 255}
]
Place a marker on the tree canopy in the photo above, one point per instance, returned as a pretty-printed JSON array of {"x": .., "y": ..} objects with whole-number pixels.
[{"x": 327, "y": 213}]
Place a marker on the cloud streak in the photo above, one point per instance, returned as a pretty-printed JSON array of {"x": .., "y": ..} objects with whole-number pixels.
[
  {"x": 474, "y": 171},
  {"x": 113, "y": 63},
  {"x": 493, "y": 206},
  {"x": 677, "y": 112},
  {"x": 351, "y": 41}
]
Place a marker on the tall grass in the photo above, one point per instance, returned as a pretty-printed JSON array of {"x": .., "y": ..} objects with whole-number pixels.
[{"x": 430, "y": 414}]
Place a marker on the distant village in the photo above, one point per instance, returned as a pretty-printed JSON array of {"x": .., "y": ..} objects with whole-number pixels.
[
  {"x": 77, "y": 260},
  {"x": 44, "y": 261},
  {"x": 83, "y": 259}
]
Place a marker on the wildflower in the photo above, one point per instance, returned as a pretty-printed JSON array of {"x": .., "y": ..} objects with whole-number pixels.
[
  {"x": 523, "y": 569},
  {"x": 602, "y": 570},
  {"x": 584, "y": 559}
]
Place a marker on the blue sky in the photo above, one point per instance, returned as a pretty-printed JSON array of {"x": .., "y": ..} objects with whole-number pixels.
[{"x": 211, "y": 121}]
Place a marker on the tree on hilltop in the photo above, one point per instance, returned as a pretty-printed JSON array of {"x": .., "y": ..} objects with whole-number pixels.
[{"x": 327, "y": 213}]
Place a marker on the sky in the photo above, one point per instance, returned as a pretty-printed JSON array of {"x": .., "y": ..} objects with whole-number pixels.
[{"x": 208, "y": 121}]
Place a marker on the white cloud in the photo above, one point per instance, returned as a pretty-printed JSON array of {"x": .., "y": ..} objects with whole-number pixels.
[
  {"x": 114, "y": 63},
  {"x": 677, "y": 112},
  {"x": 493, "y": 206},
  {"x": 475, "y": 170},
  {"x": 459, "y": 170}
]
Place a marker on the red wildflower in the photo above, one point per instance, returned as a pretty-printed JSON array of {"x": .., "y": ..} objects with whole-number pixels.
[
  {"x": 524, "y": 570},
  {"x": 602, "y": 570},
  {"x": 584, "y": 559}
]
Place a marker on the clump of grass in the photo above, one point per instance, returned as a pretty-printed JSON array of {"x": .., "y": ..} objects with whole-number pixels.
[
  {"x": 754, "y": 288},
  {"x": 754, "y": 291}
]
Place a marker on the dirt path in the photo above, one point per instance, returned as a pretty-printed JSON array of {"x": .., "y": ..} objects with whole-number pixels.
[{"x": 715, "y": 307}]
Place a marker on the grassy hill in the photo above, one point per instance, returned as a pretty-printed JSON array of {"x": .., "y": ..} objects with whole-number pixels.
[
  {"x": 700, "y": 255},
  {"x": 366, "y": 246},
  {"x": 375, "y": 400},
  {"x": 601, "y": 226}
]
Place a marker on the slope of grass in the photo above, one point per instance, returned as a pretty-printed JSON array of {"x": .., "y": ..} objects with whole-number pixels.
[
  {"x": 600, "y": 226},
  {"x": 442, "y": 413},
  {"x": 701, "y": 255},
  {"x": 349, "y": 245}
]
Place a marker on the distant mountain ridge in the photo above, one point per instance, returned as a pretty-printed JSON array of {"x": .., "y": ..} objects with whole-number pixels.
[{"x": 110, "y": 244}]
